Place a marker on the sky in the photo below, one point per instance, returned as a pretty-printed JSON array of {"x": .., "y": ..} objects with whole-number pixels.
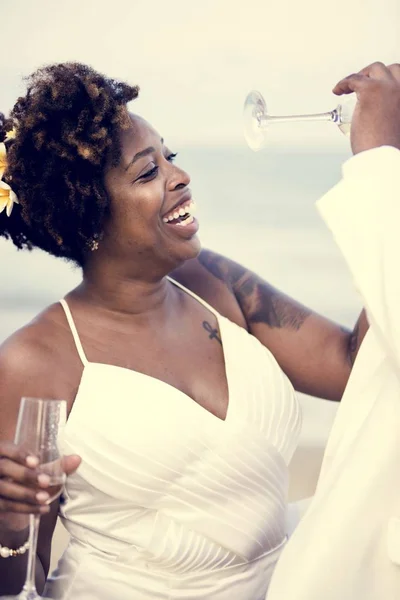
[{"x": 195, "y": 61}]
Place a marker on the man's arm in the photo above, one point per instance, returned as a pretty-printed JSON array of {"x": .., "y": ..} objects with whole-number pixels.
[{"x": 363, "y": 210}]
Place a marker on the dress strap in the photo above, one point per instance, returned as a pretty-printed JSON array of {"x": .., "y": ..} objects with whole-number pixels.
[
  {"x": 74, "y": 332},
  {"x": 196, "y": 297}
]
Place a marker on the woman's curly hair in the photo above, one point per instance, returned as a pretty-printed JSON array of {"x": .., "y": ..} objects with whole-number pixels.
[{"x": 67, "y": 128}]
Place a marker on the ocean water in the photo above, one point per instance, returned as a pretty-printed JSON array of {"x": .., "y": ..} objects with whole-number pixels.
[{"x": 257, "y": 208}]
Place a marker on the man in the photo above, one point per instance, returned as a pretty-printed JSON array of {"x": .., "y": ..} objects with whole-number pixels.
[{"x": 347, "y": 547}]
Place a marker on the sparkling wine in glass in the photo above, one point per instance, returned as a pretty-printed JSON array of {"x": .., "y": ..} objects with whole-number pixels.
[
  {"x": 257, "y": 119},
  {"x": 39, "y": 428}
]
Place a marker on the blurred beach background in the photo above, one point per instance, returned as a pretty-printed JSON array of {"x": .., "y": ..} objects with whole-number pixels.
[{"x": 195, "y": 62}]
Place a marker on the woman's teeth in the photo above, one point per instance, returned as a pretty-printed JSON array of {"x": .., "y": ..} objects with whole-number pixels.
[
  {"x": 186, "y": 221},
  {"x": 184, "y": 211}
]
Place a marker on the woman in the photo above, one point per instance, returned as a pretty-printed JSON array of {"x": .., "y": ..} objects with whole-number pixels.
[{"x": 183, "y": 419}]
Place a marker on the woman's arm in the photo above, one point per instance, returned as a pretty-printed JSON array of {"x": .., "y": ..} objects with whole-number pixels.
[
  {"x": 25, "y": 370},
  {"x": 315, "y": 353}
]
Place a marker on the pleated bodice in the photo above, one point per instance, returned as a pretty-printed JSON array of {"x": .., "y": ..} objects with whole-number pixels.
[{"x": 170, "y": 501}]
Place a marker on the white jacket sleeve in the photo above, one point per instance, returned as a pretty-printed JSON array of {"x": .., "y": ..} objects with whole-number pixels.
[{"x": 363, "y": 213}]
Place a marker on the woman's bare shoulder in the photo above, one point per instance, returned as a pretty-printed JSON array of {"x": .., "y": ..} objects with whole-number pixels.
[
  {"x": 36, "y": 339},
  {"x": 34, "y": 359}
]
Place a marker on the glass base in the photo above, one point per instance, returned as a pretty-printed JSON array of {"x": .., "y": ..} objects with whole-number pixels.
[{"x": 255, "y": 110}]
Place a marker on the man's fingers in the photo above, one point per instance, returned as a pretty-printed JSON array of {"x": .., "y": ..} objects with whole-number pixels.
[
  {"x": 348, "y": 85},
  {"x": 395, "y": 71},
  {"x": 376, "y": 70},
  {"x": 71, "y": 463},
  {"x": 357, "y": 81}
]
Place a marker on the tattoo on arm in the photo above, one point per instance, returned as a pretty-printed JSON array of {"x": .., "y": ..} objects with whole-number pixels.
[
  {"x": 353, "y": 344},
  {"x": 222, "y": 268},
  {"x": 260, "y": 302},
  {"x": 213, "y": 334}
]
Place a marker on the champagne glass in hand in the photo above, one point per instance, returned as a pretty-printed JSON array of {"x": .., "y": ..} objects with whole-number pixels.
[
  {"x": 39, "y": 427},
  {"x": 376, "y": 120},
  {"x": 257, "y": 119}
]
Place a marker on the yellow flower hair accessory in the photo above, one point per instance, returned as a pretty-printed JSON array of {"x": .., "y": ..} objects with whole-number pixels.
[
  {"x": 10, "y": 135},
  {"x": 7, "y": 197}
]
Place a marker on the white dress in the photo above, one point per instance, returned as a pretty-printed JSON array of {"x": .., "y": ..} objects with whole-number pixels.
[
  {"x": 347, "y": 546},
  {"x": 170, "y": 502}
]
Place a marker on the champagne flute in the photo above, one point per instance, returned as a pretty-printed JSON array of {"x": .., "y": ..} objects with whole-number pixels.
[
  {"x": 257, "y": 118},
  {"x": 39, "y": 427}
]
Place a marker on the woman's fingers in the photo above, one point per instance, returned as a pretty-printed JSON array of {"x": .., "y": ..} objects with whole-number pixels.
[
  {"x": 21, "y": 488},
  {"x": 22, "y": 485},
  {"x": 12, "y": 506},
  {"x": 18, "y": 465},
  {"x": 71, "y": 463},
  {"x": 17, "y": 454},
  {"x": 18, "y": 473},
  {"x": 20, "y": 493}
]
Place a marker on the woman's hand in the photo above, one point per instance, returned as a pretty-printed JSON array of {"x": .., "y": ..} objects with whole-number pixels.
[
  {"x": 23, "y": 487},
  {"x": 376, "y": 119}
]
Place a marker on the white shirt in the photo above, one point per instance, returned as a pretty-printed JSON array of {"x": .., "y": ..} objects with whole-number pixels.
[{"x": 347, "y": 547}]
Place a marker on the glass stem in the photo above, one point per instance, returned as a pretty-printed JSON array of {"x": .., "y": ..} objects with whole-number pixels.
[
  {"x": 30, "y": 584},
  {"x": 327, "y": 116}
]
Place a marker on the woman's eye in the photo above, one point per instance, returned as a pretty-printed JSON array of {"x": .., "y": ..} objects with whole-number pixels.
[{"x": 150, "y": 174}]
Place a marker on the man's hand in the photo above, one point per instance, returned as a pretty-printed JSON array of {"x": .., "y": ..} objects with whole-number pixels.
[{"x": 376, "y": 119}]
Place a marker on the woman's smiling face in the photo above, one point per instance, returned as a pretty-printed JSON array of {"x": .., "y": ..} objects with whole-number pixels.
[{"x": 151, "y": 205}]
